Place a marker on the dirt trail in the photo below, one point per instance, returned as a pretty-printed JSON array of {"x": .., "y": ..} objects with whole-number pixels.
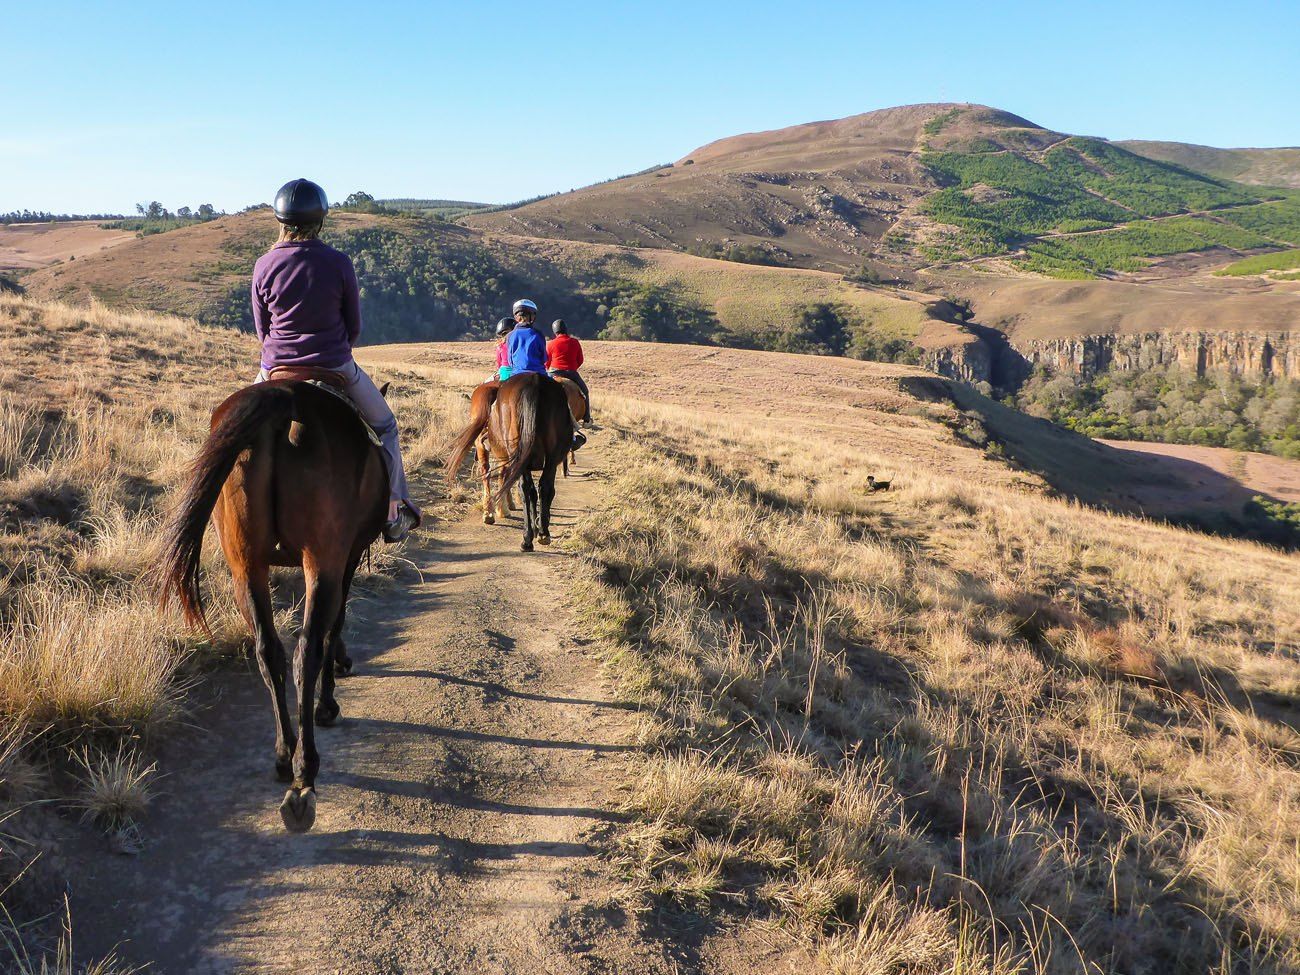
[{"x": 477, "y": 751}]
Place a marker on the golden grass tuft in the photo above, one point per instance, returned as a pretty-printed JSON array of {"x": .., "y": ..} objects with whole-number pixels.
[{"x": 115, "y": 786}]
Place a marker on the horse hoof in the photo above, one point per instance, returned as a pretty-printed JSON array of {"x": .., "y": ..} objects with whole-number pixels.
[
  {"x": 543, "y": 539},
  {"x": 489, "y": 520},
  {"x": 327, "y": 714},
  {"x": 299, "y": 809},
  {"x": 284, "y": 770},
  {"x": 343, "y": 668},
  {"x": 526, "y": 546}
]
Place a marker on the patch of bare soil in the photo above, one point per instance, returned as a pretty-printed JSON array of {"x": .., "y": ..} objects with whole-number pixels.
[
  {"x": 1209, "y": 477},
  {"x": 462, "y": 795},
  {"x": 25, "y": 246}
]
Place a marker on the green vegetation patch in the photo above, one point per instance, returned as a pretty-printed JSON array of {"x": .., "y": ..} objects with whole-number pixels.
[
  {"x": 1020, "y": 198},
  {"x": 1000, "y": 199},
  {"x": 937, "y": 124},
  {"x": 1147, "y": 187},
  {"x": 1277, "y": 522},
  {"x": 1170, "y": 405},
  {"x": 1279, "y": 261},
  {"x": 1127, "y": 248},
  {"x": 1279, "y": 220},
  {"x": 738, "y": 253},
  {"x": 438, "y": 209}
]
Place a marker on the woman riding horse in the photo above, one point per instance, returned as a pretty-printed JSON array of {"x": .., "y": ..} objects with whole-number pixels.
[
  {"x": 564, "y": 359},
  {"x": 307, "y": 314},
  {"x": 290, "y": 477}
]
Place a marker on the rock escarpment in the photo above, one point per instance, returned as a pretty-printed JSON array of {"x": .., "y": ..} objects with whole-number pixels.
[
  {"x": 975, "y": 354},
  {"x": 1251, "y": 354}
]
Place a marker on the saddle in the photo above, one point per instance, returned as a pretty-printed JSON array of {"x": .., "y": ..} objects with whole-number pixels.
[
  {"x": 309, "y": 374},
  {"x": 326, "y": 380}
]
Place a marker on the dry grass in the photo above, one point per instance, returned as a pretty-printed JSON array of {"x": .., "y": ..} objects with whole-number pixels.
[
  {"x": 115, "y": 786},
  {"x": 18, "y": 959},
  {"x": 100, "y": 415},
  {"x": 955, "y": 727}
]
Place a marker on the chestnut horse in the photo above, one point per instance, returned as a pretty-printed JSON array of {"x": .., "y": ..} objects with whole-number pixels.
[
  {"x": 577, "y": 409},
  {"x": 289, "y": 477},
  {"x": 523, "y": 425},
  {"x": 577, "y": 402}
]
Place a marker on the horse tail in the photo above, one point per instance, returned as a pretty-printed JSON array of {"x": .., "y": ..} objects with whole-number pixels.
[
  {"x": 480, "y": 413},
  {"x": 238, "y": 423},
  {"x": 527, "y": 404}
]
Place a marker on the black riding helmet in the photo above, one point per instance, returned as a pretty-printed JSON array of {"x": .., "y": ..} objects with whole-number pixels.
[
  {"x": 300, "y": 201},
  {"x": 504, "y": 326},
  {"x": 559, "y": 328}
]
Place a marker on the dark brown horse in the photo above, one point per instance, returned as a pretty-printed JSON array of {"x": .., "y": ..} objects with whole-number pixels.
[
  {"x": 528, "y": 428},
  {"x": 289, "y": 478}
]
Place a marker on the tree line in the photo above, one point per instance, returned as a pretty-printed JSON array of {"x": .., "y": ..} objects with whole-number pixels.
[{"x": 45, "y": 216}]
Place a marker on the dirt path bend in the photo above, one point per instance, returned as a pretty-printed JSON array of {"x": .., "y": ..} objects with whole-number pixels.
[{"x": 477, "y": 751}]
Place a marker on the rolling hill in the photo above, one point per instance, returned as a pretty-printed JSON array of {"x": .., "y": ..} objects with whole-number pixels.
[
  {"x": 426, "y": 280},
  {"x": 1261, "y": 167},
  {"x": 920, "y": 186},
  {"x": 890, "y": 235}
]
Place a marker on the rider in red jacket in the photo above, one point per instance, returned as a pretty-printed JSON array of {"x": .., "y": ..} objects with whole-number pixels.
[{"x": 564, "y": 358}]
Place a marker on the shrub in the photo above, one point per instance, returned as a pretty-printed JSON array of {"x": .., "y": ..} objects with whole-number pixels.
[
  {"x": 1280, "y": 261},
  {"x": 1171, "y": 406},
  {"x": 647, "y": 313}
]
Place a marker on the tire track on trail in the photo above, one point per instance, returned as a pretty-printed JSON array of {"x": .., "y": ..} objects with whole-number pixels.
[{"x": 477, "y": 752}]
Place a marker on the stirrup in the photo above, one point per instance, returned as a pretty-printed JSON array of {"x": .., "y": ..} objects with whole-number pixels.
[{"x": 579, "y": 438}]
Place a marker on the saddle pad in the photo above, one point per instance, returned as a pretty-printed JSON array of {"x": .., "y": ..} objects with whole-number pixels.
[{"x": 339, "y": 394}]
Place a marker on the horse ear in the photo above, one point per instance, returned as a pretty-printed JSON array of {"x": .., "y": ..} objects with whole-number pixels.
[{"x": 383, "y": 390}]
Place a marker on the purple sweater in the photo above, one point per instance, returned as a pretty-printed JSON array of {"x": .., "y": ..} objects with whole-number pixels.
[{"x": 306, "y": 307}]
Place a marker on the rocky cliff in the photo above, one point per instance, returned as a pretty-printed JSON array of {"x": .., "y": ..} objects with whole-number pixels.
[{"x": 1252, "y": 354}]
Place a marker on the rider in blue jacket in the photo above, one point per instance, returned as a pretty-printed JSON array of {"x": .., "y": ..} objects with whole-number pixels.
[
  {"x": 526, "y": 344},
  {"x": 528, "y": 350}
]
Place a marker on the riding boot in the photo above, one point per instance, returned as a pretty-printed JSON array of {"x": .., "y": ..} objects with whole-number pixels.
[{"x": 397, "y": 529}]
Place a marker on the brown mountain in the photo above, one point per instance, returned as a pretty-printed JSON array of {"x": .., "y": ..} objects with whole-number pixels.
[{"x": 817, "y": 195}]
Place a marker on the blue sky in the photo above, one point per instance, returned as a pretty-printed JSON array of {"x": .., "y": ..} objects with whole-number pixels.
[{"x": 108, "y": 104}]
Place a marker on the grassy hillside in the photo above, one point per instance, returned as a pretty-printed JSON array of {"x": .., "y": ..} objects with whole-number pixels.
[
  {"x": 1260, "y": 167},
  {"x": 426, "y": 279},
  {"x": 950, "y": 728},
  {"x": 1282, "y": 261}
]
